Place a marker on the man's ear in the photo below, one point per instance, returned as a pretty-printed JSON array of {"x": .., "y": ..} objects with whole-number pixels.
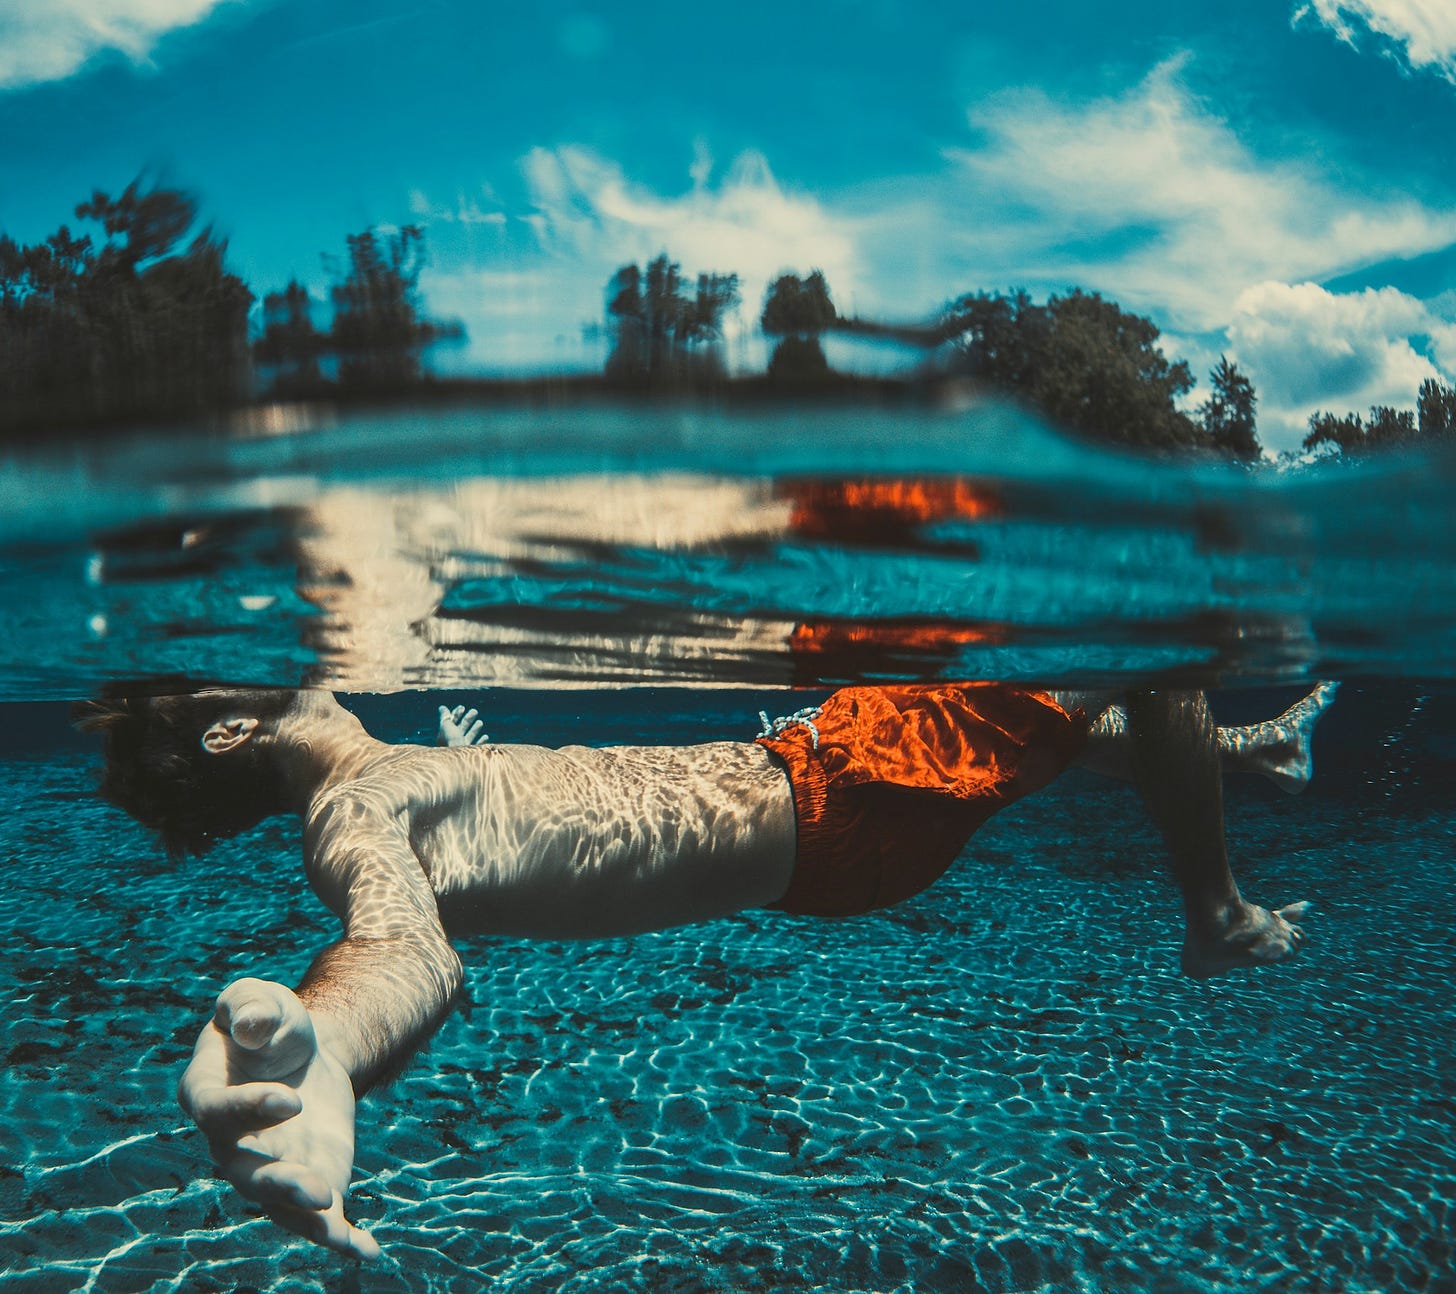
[{"x": 227, "y": 734}]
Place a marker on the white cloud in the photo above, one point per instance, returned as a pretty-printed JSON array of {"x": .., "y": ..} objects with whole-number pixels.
[
  {"x": 1424, "y": 29},
  {"x": 1148, "y": 196},
  {"x": 48, "y": 40},
  {"x": 1153, "y": 198},
  {"x": 1308, "y": 349}
]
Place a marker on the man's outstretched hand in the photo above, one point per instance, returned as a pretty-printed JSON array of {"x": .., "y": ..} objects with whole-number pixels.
[{"x": 278, "y": 1111}]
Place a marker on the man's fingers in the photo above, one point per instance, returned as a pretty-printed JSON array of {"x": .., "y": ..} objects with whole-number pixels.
[
  {"x": 336, "y": 1232},
  {"x": 226, "y": 1110},
  {"x": 340, "y": 1235},
  {"x": 276, "y": 1184},
  {"x": 328, "y": 1227}
]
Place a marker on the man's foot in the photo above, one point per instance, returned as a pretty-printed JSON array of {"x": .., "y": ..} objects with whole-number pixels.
[
  {"x": 1248, "y": 936},
  {"x": 1280, "y": 748}
]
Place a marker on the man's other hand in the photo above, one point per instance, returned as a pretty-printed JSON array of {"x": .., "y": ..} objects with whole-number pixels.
[{"x": 461, "y": 727}]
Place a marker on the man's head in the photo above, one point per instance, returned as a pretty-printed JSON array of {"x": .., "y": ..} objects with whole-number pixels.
[{"x": 194, "y": 767}]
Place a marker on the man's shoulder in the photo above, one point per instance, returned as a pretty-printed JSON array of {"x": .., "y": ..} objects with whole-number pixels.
[{"x": 384, "y": 784}]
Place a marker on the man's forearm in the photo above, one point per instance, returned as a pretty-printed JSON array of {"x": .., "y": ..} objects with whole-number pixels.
[{"x": 374, "y": 1000}]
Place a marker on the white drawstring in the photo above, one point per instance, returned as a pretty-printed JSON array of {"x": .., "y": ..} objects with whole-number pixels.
[{"x": 804, "y": 717}]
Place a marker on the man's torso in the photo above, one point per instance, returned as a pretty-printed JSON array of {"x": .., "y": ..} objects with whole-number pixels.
[{"x": 582, "y": 842}]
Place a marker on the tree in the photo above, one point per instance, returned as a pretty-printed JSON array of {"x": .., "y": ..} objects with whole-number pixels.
[
  {"x": 1346, "y": 434},
  {"x": 1432, "y": 422},
  {"x": 627, "y": 325},
  {"x": 1001, "y": 339},
  {"x": 149, "y": 223},
  {"x": 197, "y": 329},
  {"x": 716, "y": 295},
  {"x": 796, "y": 307},
  {"x": 379, "y": 331},
  {"x": 664, "y": 309},
  {"x": 1080, "y": 361},
  {"x": 1390, "y": 428},
  {"x": 659, "y": 332},
  {"x": 1387, "y": 429},
  {"x": 1227, "y": 416},
  {"x": 1436, "y": 411}
]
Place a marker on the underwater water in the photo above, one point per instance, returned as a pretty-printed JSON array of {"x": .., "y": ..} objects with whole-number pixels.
[{"x": 1002, "y": 1084}]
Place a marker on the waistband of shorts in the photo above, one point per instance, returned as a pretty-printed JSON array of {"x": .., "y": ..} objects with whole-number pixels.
[{"x": 810, "y": 787}]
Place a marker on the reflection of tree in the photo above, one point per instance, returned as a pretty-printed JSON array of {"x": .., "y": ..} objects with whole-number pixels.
[
  {"x": 290, "y": 342},
  {"x": 661, "y": 333},
  {"x": 141, "y": 327},
  {"x": 379, "y": 331},
  {"x": 798, "y": 311}
]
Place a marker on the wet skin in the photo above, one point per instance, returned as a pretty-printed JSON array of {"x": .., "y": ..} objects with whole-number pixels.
[{"x": 406, "y": 844}]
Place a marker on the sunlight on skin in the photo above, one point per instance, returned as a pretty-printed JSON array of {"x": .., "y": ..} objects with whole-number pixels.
[{"x": 407, "y": 842}]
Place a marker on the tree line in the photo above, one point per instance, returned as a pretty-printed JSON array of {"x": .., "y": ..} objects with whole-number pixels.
[
  {"x": 1078, "y": 359},
  {"x": 140, "y": 318},
  {"x": 1433, "y": 421}
]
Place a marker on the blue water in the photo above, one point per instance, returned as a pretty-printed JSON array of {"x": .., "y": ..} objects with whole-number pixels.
[{"x": 1003, "y": 1084}]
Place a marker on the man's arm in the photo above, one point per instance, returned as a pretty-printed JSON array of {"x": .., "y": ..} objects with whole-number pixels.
[
  {"x": 386, "y": 986},
  {"x": 275, "y": 1074}
]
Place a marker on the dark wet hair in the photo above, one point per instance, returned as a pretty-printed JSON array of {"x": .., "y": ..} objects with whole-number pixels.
[{"x": 157, "y": 770}]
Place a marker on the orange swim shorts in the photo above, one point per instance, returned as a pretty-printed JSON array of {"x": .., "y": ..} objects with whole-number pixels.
[{"x": 890, "y": 782}]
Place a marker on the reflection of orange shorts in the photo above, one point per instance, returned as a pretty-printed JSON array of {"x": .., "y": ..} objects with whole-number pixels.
[
  {"x": 901, "y": 777},
  {"x": 880, "y": 510}
]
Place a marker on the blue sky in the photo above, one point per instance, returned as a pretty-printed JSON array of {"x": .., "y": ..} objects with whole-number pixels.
[{"x": 1271, "y": 179}]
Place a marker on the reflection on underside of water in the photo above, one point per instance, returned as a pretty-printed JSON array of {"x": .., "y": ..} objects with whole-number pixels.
[{"x": 1019, "y": 557}]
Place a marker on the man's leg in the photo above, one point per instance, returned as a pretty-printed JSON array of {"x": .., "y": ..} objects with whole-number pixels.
[
  {"x": 1277, "y": 749},
  {"x": 1176, "y": 759}
]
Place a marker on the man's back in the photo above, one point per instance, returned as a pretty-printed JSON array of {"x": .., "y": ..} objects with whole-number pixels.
[{"x": 578, "y": 842}]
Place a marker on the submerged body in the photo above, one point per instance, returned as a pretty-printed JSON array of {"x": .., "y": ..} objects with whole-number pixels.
[
  {"x": 570, "y": 843},
  {"x": 410, "y": 844}
]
